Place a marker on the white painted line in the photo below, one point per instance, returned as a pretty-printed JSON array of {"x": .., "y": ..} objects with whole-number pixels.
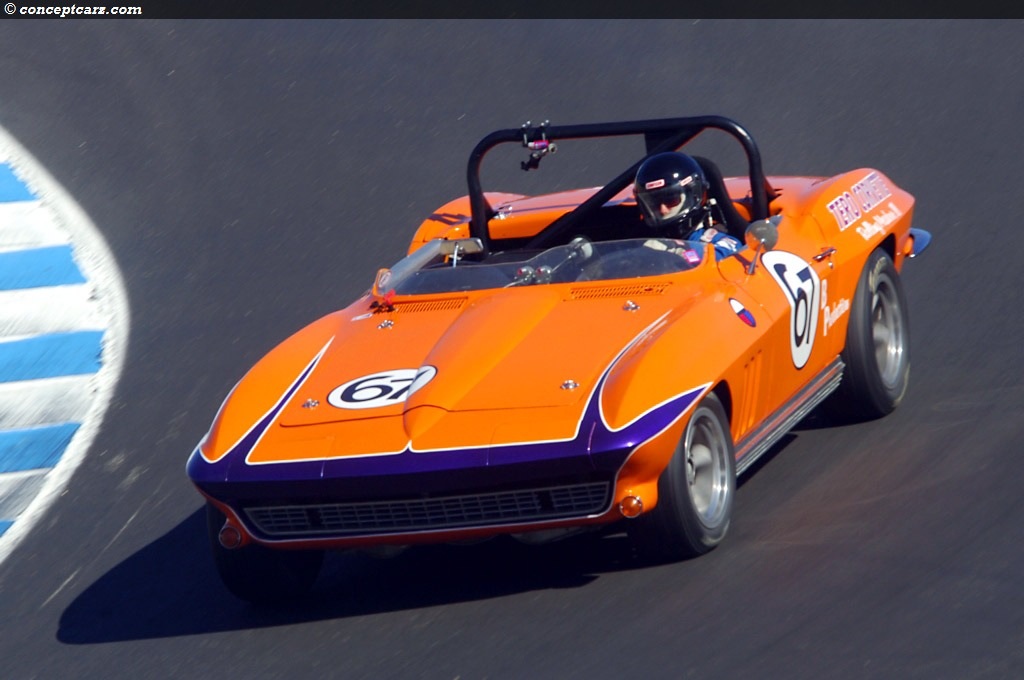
[
  {"x": 46, "y": 402},
  {"x": 25, "y": 224},
  {"x": 53, "y": 309},
  {"x": 18, "y": 490}
]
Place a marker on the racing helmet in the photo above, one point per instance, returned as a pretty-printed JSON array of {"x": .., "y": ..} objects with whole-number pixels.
[{"x": 671, "y": 190}]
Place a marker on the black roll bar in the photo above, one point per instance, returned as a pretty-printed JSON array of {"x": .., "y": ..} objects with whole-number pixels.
[{"x": 663, "y": 134}]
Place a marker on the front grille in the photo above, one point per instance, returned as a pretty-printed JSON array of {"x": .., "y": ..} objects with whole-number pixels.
[{"x": 383, "y": 517}]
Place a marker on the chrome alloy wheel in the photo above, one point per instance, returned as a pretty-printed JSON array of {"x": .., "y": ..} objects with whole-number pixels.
[
  {"x": 888, "y": 332},
  {"x": 707, "y": 467}
]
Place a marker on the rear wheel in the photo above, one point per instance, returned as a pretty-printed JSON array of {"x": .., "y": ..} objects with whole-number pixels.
[
  {"x": 877, "y": 352},
  {"x": 695, "y": 492},
  {"x": 259, "y": 574}
]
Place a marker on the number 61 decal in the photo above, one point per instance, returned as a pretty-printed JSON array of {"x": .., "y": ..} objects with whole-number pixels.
[
  {"x": 800, "y": 283},
  {"x": 381, "y": 389}
]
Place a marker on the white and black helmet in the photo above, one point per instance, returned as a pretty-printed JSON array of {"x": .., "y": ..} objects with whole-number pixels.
[{"x": 671, "y": 190}]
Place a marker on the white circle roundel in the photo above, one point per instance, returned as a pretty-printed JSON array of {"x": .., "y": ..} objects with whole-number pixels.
[
  {"x": 386, "y": 388},
  {"x": 802, "y": 288}
]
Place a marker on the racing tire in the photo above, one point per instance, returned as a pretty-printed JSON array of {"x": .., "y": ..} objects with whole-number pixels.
[
  {"x": 877, "y": 352},
  {"x": 261, "y": 575},
  {"x": 695, "y": 491}
]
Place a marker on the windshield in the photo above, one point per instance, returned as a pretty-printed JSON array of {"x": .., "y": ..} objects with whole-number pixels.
[{"x": 430, "y": 270}]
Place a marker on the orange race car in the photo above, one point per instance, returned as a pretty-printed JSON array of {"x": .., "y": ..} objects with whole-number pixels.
[{"x": 542, "y": 365}]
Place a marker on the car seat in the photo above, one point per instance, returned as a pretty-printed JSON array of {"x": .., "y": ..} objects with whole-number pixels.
[{"x": 735, "y": 223}]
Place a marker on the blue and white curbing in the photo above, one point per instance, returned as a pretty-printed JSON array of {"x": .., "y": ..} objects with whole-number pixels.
[{"x": 63, "y": 334}]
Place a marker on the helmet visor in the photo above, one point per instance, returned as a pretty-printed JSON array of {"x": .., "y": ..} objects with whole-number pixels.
[{"x": 666, "y": 203}]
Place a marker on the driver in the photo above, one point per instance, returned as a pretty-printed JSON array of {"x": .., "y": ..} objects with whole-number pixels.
[{"x": 672, "y": 193}]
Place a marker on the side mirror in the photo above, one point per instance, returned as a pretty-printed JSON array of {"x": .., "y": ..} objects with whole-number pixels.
[{"x": 761, "y": 235}]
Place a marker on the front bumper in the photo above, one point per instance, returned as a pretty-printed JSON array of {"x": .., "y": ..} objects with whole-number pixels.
[{"x": 423, "y": 506}]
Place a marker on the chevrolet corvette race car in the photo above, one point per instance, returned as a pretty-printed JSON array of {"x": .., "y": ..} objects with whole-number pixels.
[{"x": 542, "y": 365}]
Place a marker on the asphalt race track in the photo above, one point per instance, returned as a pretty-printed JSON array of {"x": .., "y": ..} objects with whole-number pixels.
[{"x": 252, "y": 176}]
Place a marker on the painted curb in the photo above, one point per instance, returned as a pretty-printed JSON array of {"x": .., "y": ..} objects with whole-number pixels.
[{"x": 64, "y": 324}]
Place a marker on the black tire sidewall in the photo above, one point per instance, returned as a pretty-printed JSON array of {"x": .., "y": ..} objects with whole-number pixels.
[
  {"x": 258, "y": 574},
  {"x": 865, "y": 394},
  {"x": 674, "y": 529},
  {"x": 702, "y": 537}
]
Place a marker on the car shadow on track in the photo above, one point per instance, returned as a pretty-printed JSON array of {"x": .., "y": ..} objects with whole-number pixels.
[{"x": 170, "y": 587}]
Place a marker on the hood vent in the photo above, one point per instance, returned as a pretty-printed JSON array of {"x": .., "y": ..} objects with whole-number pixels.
[
  {"x": 439, "y": 305},
  {"x": 621, "y": 290}
]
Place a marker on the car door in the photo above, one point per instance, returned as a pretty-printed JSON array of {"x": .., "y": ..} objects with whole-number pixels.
[{"x": 787, "y": 283}]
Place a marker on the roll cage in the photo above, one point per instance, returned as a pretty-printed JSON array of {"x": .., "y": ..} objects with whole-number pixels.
[{"x": 666, "y": 134}]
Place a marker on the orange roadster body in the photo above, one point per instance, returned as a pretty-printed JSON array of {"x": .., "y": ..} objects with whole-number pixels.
[{"x": 539, "y": 365}]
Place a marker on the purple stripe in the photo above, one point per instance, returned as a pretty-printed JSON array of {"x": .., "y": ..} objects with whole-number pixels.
[
  {"x": 594, "y": 437},
  {"x": 199, "y": 470}
]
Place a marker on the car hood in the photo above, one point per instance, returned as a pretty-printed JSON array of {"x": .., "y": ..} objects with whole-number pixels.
[
  {"x": 545, "y": 346},
  {"x": 485, "y": 379}
]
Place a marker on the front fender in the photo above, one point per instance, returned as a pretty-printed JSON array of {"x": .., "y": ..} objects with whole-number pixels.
[{"x": 263, "y": 388}]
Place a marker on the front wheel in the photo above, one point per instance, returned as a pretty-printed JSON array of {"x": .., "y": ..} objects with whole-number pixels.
[
  {"x": 877, "y": 352},
  {"x": 262, "y": 575},
  {"x": 695, "y": 492}
]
